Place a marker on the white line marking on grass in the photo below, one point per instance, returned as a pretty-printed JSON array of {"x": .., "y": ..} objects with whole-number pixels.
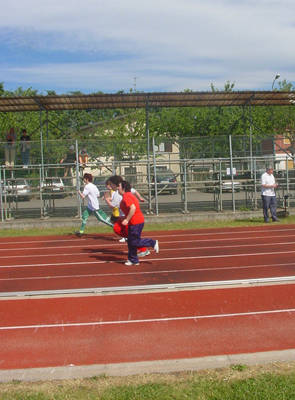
[{"x": 149, "y": 320}]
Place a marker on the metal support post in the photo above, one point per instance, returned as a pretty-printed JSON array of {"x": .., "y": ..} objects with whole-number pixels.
[
  {"x": 251, "y": 142},
  {"x": 41, "y": 197},
  {"x": 232, "y": 175},
  {"x": 1, "y": 195},
  {"x": 5, "y": 194},
  {"x": 255, "y": 184},
  {"x": 47, "y": 128},
  {"x": 78, "y": 181},
  {"x": 147, "y": 131},
  {"x": 287, "y": 184},
  {"x": 220, "y": 203},
  {"x": 41, "y": 149},
  {"x": 155, "y": 178},
  {"x": 185, "y": 188}
]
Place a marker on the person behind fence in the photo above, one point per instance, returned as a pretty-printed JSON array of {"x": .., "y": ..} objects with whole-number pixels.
[
  {"x": 268, "y": 195},
  {"x": 10, "y": 148},
  {"x": 92, "y": 193},
  {"x": 83, "y": 158},
  {"x": 134, "y": 219},
  {"x": 69, "y": 159},
  {"x": 25, "y": 147}
]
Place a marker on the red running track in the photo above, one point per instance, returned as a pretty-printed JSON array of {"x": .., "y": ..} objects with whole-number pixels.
[
  {"x": 107, "y": 329},
  {"x": 97, "y": 261},
  {"x": 145, "y": 327}
]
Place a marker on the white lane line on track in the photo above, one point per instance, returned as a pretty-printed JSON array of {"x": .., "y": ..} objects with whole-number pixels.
[
  {"x": 159, "y": 237},
  {"x": 148, "y": 260},
  {"x": 148, "y": 272},
  {"x": 124, "y": 248},
  {"x": 150, "y": 320}
]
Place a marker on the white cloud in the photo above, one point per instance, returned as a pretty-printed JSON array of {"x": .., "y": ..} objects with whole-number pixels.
[{"x": 167, "y": 44}]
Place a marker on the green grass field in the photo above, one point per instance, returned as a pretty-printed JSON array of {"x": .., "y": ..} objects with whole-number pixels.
[
  {"x": 100, "y": 228},
  {"x": 238, "y": 382}
]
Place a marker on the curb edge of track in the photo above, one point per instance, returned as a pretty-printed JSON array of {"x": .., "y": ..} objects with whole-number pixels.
[{"x": 150, "y": 288}]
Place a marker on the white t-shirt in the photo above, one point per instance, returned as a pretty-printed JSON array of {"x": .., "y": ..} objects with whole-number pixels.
[
  {"x": 267, "y": 179},
  {"x": 92, "y": 193},
  {"x": 117, "y": 198}
]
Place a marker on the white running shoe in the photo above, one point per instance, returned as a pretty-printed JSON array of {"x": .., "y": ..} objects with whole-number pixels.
[
  {"x": 143, "y": 253},
  {"x": 129, "y": 263},
  {"x": 123, "y": 240},
  {"x": 156, "y": 247}
]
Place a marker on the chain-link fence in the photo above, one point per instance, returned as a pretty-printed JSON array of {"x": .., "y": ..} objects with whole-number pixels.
[
  {"x": 52, "y": 151},
  {"x": 184, "y": 175}
]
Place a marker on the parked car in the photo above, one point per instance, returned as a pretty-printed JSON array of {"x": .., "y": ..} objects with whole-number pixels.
[
  {"x": 166, "y": 182},
  {"x": 281, "y": 178},
  {"x": 17, "y": 189},
  {"x": 226, "y": 184},
  {"x": 53, "y": 187}
]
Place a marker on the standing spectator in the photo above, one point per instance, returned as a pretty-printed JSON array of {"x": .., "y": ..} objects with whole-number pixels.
[
  {"x": 10, "y": 148},
  {"x": 69, "y": 159},
  {"x": 25, "y": 147},
  {"x": 83, "y": 158},
  {"x": 268, "y": 195}
]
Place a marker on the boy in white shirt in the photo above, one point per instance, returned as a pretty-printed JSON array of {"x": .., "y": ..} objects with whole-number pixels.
[{"x": 92, "y": 193}]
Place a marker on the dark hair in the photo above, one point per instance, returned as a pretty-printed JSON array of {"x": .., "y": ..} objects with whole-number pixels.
[
  {"x": 116, "y": 179},
  {"x": 126, "y": 186},
  {"x": 89, "y": 177}
]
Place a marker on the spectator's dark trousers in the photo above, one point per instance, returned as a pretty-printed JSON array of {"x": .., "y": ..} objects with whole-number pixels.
[{"x": 269, "y": 202}]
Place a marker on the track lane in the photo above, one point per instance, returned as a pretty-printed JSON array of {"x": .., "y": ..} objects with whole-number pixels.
[
  {"x": 106, "y": 272},
  {"x": 138, "y": 327},
  {"x": 102, "y": 266}
]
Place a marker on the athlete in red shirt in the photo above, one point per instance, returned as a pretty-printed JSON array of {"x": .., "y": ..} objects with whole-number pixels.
[{"x": 134, "y": 218}]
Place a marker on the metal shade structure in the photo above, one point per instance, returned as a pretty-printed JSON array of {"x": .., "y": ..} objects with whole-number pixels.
[
  {"x": 148, "y": 102},
  {"x": 143, "y": 100}
]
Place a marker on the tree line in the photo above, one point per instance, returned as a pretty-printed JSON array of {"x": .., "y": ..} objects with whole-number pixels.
[{"x": 170, "y": 123}]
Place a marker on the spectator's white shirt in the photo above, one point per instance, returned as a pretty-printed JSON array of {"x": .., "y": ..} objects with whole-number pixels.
[
  {"x": 92, "y": 193},
  {"x": 267, "y": 179}
]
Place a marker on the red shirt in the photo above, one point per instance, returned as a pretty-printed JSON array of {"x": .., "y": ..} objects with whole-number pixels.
[{"x": 127, "y": 200}]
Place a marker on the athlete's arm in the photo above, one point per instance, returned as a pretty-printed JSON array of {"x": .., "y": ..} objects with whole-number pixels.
[{"x": 129, "y": 215}]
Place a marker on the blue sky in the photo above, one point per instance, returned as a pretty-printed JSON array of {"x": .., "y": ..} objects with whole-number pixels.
[{"x": 163, "y": 45}]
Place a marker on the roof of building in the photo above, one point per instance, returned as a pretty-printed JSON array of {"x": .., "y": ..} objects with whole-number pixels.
[{"x": 141, "y": 100}]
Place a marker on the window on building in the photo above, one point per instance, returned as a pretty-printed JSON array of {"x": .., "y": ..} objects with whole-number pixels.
[
  {"x": 130, "y": 174},
  {"x": 164, "y": 147}
]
